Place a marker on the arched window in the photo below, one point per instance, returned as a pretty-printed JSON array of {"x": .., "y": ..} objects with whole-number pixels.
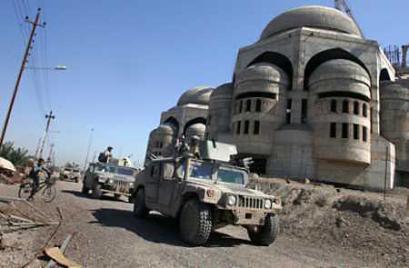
[
  {"x": 246, "y": 127},
  {"x": 256, "y": 127},
  {"x": 240, "y": 106},
  {"x": 345, "y": 130},
  {"x": 365, "y": 110},
  {"x": 258, "y": 105},
  {"x": 364, "y": 134},
  {"x": 238, "y": 127},
  {"x": 334, "y": 106},
  {"x": 248, "y": 105},
  {"x": 345, "y": 106}
]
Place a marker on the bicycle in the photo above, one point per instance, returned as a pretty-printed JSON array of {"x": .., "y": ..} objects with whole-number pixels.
[{"x": 46, "y": 189}]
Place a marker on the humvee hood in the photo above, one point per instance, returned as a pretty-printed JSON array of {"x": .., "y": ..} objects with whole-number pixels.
[
  {"x": 239, "y": 189},
  {"x": 230, "y": 188},
  {"x": 108, "y": 175}
]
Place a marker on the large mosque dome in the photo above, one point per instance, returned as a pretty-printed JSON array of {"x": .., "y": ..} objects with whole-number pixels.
[
  {"x": 311, "y": 16},
  {"x": 197, "y": 95}
]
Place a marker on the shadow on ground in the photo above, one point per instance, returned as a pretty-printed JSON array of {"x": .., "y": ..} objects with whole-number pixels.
[
  {"x": 108, "y": 197},
  {"x": 157, "y": 228}
]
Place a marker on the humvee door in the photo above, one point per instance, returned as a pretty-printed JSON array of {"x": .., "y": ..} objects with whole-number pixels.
[
  {"x": 167, "y": 186},
  {"x": 152, "y": 183}
]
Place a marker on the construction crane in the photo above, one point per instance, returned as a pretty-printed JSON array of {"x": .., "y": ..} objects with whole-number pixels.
[{"x": 343, "y": 6}]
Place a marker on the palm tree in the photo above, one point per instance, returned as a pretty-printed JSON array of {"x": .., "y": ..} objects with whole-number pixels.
[{"x": 17, "y": 156}]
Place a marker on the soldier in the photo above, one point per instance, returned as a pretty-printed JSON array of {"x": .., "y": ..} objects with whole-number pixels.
[
  {"x": 182, "y": 147},
  {"x": 105, "y": 156}
]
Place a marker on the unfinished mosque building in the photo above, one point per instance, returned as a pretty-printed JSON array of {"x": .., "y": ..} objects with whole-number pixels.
[{"x": 312, "y": 98}]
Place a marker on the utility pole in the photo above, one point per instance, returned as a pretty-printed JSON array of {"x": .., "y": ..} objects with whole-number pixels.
[
  {"x": 49, "y": 117},
  {"x": 20, "y": 74},
  {"x": 50, "y": 154},
  {"x": 37, "y": 148}
]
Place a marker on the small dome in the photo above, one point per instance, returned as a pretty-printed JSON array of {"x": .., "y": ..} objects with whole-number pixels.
[
  {"x": 197, "y": 129},
  {"x": 393, "y": 90},
  {"x": 263, "y": 71},
  {"x": 311, "y": 16},
  {"x": 222, "y": 91},
  {"x": 340, "y": 69},
  {"x": 163, "y": 129},
  {"x": 340, "y": 75},
  {"x": 197, "y": 95}
]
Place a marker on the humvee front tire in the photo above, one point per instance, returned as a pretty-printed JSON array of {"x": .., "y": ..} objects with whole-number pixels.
[
  {"x": 266, "y": 234},
  {"x": 84, "y": 189},
  {"x": 139, "y": 207},
  {"x": 195, "y": 222},
  {"x": 96, "y": 191}
]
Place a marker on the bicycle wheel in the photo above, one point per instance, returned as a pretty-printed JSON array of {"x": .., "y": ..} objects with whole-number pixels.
[
  {"x": 48, "y": 193},
  {"x": 24, "y": 191}
]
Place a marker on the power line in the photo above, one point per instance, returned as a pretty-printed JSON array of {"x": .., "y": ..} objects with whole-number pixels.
[
  {"x": 34, "y": 24},
  {"x": 22, "y": 15},
  {"x": 19, "y": 18},
  {"x": 39, "y": 81},
  {"x": 44, "y": 49}
]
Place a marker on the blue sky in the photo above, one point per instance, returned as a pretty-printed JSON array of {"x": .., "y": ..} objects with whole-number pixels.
[{"x": 129, "y": 60}]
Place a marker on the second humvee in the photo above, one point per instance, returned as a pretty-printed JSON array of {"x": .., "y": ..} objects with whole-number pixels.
[
  {"x": 109, "y": 178},
  {"x": 206, "y": 194}
]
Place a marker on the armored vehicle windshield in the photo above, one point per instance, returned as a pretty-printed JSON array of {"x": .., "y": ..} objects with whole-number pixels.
[
  {"x": 213, "y": 171},
  {"x": 116, "y": 169}
]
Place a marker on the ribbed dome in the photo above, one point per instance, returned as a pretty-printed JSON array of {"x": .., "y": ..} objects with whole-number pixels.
[
  {"x": 311, "y": 16},
  {"x": 340, "y": 75},
  {"x": 163, "y": 129},
  {"x": 222, "y": 91},
  {"x": 197, "y": 129},
  {"x": 339, "y": 69},
  {"x": 197, "y": 95},
  {"x": 263, "y": 71}
]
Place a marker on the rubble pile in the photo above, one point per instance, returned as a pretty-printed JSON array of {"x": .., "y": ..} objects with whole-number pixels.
[
  {"x": 20, "y": 231},
  {"x": 360, "y": 223}
]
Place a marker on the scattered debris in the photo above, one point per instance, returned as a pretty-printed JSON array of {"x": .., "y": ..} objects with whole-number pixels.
[
  {"x": 40, "y": 252},
  {"x": 56, "y": 254},
  {"x": 12, "y": 223},
  {"x": 63, "y": 247}
]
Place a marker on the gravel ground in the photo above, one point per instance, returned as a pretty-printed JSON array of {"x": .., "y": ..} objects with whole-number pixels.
[{"x": 106, "y": 235}]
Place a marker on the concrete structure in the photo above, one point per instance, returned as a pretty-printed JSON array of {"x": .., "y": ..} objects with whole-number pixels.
[
  {"x": 310, "y": 99},
  {"x": 395, "y": 123}
]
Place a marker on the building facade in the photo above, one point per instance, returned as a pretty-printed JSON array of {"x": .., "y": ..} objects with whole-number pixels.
[{"x": 312, "y": 98}]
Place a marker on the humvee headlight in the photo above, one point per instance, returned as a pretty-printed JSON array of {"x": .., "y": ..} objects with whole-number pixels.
[
  {"x": 267, "y": 204},
  {"x": 231, "y": 200},
  {"x": 210, "y": 193}
]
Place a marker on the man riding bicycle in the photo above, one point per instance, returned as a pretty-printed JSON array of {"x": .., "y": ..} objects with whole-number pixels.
[{"x": 35, "y": 176}]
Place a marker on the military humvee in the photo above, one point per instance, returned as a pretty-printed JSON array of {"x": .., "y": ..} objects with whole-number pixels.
[
  {"x": 109, "y": 178},
  {"x": 206, "y": 194}
]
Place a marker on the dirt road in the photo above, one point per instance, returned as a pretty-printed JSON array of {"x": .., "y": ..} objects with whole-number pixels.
[{"x": 108, "y": 236}]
